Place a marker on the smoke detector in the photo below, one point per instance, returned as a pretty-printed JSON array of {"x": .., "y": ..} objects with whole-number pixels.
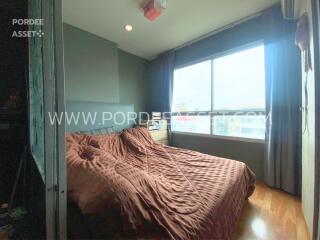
[{"x": 152, "y": 9}]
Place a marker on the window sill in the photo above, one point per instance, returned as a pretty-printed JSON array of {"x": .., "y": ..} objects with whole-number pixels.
[{"x": 239, "y": 139}]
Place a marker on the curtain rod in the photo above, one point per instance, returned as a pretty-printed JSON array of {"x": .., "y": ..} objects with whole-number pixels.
[{"x": 231, "y": 25}]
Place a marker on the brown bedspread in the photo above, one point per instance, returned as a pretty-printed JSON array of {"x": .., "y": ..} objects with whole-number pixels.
[{"x": 162, "y": 192}]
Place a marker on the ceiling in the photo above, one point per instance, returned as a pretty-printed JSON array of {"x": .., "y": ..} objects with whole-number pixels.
[{"x": 181, "y": 22}]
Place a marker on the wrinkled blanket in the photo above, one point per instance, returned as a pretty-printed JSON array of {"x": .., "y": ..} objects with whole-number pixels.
[{"x": 178, "y": 193}]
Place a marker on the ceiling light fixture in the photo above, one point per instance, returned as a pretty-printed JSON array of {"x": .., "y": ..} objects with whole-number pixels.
[{"x": 128, "y": 28}]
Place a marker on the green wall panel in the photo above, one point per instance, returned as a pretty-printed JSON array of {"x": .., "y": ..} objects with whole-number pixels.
[
  {"x": 96, "y": 70},
  {"x": 91, "y": 67}
]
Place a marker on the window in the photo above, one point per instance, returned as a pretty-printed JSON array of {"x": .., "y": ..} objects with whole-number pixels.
[
  {"x": 187, "y": 96},
  {"x": 222, "y": 96}
]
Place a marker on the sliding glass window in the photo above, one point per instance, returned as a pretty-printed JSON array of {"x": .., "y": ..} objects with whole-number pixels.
[{"x": 222, "y": 96}]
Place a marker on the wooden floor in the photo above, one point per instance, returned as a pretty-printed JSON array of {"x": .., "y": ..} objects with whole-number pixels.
[{"x": 271, "y": 214}]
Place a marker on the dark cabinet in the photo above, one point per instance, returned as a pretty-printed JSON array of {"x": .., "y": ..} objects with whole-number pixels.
[{"x": 11, "y": 147}]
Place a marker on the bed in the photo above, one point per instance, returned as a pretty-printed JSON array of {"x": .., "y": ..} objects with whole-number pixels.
[{"x": 146, "y": 190}]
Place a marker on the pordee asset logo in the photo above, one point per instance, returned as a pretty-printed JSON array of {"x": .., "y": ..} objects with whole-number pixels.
[
  {"x": 122, "y": 118},
  {"x": 25, "y": 33}
]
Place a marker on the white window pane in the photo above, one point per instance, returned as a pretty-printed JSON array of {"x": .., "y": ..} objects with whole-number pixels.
[
  {"x": 239, "y": 80},
  {"x": 192, "y": 124},
  {"x": 192, "y": 88},
  {"x": 240, "y": 126}
]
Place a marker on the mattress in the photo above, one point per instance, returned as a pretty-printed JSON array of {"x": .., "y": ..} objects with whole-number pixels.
[{"x": 157, "y": 191}]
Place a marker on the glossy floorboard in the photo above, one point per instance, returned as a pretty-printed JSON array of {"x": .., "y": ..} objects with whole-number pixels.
[{"x": 271, "y": 214}]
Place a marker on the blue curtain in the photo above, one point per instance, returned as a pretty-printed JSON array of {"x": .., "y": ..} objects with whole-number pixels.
[
  {"x": 282, "y": 164},
  {"x": 161, "y": 76},
  {"x": 165, "y": 62}
]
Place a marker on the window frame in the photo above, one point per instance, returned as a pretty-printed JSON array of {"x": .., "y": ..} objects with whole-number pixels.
[{"x": 213, "y": 113}]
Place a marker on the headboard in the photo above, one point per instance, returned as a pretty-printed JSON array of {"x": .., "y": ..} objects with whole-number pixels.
[{"x": 118, "y": 116}]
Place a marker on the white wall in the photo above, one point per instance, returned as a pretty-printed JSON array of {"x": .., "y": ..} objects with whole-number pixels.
[{"x": 308, "y": 137}]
